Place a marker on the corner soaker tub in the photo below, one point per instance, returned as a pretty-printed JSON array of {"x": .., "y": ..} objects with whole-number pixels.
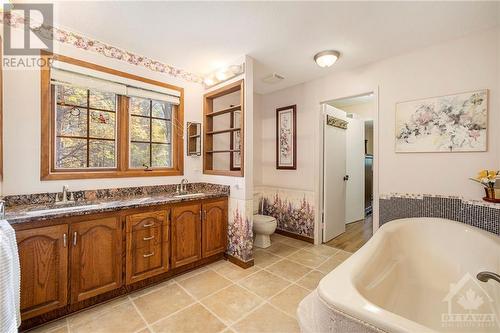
[{"x": 413, "y": 275}]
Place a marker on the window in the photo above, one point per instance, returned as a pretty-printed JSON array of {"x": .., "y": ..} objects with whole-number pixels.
[
  {"x": 100, "y": 123},
  {"x": 150, "y": 133},
  {"x": 85, "y": 128}
]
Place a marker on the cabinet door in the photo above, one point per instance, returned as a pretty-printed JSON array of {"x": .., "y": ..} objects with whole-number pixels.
[
  {"x": 96, "y": 257},
  {"x": 43, "y": 255},
  {"x": 186, "y": 234},
  {"x": 214, "y": 227},
  {"x": 147, "y": 245}
]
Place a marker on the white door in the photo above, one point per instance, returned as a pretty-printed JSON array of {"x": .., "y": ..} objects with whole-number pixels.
[
  {"x": 355, "y": 168},
  {"x": 334, "y": 170}
]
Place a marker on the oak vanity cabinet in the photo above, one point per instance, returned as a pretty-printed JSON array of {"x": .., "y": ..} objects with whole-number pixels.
[
  {"x": 214, "y": 227},
  {"x": 64, "y": 267},
  {"x": 96, "y": 257},
  {"x": 198, "y": 231},
  {"x": 43, "y": 255},
  {"x": 147, "y": 248},
  {"x": 186, "y": 234}
]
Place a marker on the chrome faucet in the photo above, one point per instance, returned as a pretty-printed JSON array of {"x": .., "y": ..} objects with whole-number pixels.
[
  {"x": 183, "y": 190},
  {"x": 64, "y": 198},
  {"x": 485, "y": 276},
  {"x": 2, "y": 209}
]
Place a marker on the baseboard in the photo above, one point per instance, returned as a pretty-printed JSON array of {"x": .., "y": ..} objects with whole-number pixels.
[
  {"x": 239, "y": 262},
  {"x": 296, "y": 236}
]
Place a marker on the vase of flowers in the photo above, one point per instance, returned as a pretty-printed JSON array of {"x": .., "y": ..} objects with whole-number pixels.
[{"x": 488, "y": 178}]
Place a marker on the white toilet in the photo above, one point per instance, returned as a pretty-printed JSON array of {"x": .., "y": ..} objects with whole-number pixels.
[{"x": 263, "y": 226}]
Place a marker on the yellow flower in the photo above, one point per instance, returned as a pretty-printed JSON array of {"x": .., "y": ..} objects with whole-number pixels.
[{"x": 482, "y": 174}]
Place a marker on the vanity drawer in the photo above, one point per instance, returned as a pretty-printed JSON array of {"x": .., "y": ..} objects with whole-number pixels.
[
  {"x": 145, "y": 221},
  {"x": 146, "y": 262},
  {"x": 144, "y": 238}
]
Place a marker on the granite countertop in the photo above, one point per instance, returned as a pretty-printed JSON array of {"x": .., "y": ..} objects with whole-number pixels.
[{"x": 40, "y": 212}]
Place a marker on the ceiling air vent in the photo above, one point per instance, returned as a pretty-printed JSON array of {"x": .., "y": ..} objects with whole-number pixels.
[{"x": 273, "y": 78}]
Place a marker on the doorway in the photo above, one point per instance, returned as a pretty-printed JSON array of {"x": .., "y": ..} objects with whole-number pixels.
[{"x": 348, "y": 171}]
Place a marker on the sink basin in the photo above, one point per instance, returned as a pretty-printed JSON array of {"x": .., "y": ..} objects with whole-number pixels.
[
  {"x": 62, "y": 209},
  {"x": 189, "y": 195}
]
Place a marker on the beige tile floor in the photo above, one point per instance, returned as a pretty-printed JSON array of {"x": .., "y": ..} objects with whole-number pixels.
[{"x": 220, "y": 297}]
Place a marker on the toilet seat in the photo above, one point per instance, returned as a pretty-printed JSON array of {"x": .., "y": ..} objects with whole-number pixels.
[{"x": 263, "y": 219}]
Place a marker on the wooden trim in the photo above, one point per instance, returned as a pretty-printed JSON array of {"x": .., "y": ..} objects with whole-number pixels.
[
  {"x": 296, "y": 236},
  {"x": 239, "y": 262},
  {"x": 122, "y": 169},
  {"x": 294, "y": 112},
  {"x": 208, "y": 132},
  {"x": 224, "y": 131},
  {"x": 224, "y": 111},
  {"x": 47, "y": 128}
]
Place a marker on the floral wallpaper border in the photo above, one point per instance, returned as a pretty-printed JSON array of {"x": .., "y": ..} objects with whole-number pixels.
[
  {"x": 240, "y": 233},
  {"x": 294, "y": 210},
  {"x": 93, "y": 45}
]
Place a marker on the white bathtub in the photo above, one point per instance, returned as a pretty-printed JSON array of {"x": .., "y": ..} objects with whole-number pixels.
[{"x": 400, "y": 282}]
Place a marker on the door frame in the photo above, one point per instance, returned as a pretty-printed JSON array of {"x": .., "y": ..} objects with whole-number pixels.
[{"x": 318, "y": 225}]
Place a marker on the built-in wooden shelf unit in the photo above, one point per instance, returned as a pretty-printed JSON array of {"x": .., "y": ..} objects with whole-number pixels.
[{"x": 223, "y": 130}]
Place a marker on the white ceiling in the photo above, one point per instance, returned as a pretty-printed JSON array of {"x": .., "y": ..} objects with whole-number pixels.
[{"x": 282, "y": 36}]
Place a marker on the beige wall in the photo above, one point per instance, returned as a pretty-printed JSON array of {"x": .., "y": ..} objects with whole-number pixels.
[{"x": 460, "y": 65}]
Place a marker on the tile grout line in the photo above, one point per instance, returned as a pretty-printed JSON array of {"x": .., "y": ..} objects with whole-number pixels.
[
  {"x": 140, "y": 315},
  {"x": 206, "y": 308}
]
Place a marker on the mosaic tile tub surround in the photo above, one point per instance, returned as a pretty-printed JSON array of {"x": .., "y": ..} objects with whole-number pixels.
[{"x": 479, "y": 214}]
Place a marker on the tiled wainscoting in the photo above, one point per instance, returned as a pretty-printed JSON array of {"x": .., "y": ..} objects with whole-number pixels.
[
  {"x": 475, "y": 213},
  {"x": 293, "y": 209}
]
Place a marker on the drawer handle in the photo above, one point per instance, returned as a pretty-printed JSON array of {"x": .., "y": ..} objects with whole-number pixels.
[
  {"x": 148, "y": 255},
  {"x": 149, "y": 225},
  {"x": 148, "y": 238}
]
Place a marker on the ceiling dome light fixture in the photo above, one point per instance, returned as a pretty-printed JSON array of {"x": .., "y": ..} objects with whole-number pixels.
[{"x": 326, "y": 58}]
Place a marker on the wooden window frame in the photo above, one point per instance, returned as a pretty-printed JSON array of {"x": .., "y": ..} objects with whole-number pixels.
[
  {"x": 122, "y": 170},
  {"x": 88, "y": 109},
  {"x": 150, "y": 142}
]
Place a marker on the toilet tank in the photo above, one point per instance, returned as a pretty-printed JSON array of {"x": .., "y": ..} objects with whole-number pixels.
[{"x": 257, "y": 197}]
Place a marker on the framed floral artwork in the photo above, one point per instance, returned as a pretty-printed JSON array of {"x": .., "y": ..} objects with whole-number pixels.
[
  {"x": 451, "y": 123},
  {"x": 286, "y": 138}
]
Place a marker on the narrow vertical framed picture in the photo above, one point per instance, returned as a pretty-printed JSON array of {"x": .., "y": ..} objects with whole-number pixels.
[{"x": 286, "y": 138}]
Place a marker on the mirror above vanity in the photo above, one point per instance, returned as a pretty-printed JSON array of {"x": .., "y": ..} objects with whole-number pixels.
[{"x": 193, "y": 139}]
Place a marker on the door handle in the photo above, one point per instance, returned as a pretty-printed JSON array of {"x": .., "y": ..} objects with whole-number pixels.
[
  {"x": 201, "y": 215},
  {"x": 75, "y": 237},
  {"x": 148, "y": 255},
  {"x": 149, "y": 225},
  {"x": 148, "y": 238},
  {"x": 65, "y": 240},
  {"x": 346, "y": 177}
]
